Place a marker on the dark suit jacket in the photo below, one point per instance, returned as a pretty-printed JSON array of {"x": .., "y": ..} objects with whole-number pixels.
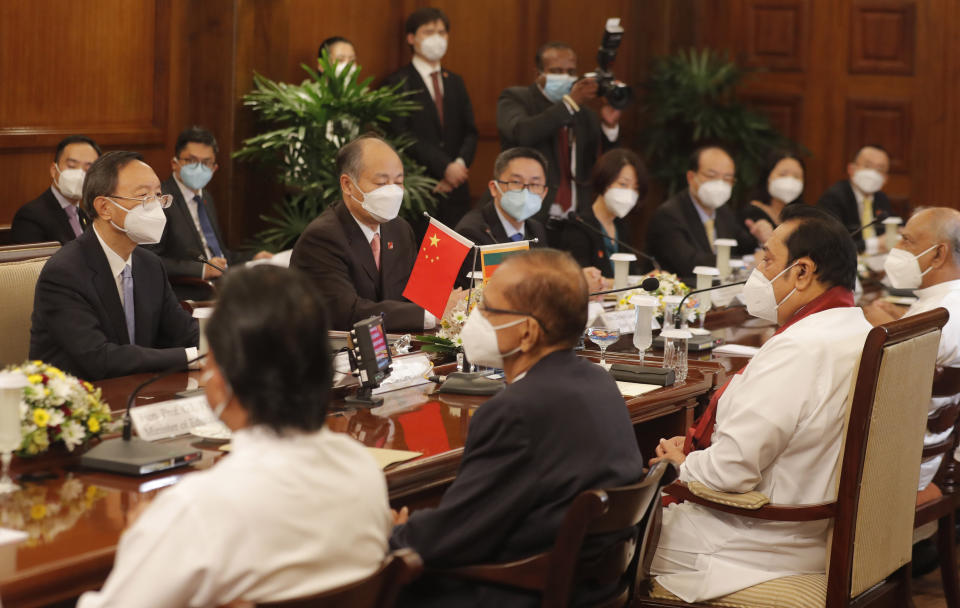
[
  {"x": 840, "y": 201},
  {"x": 530, "y": 451},
  {"x": 181, "y": 241},
  {"x": 525, "y": 117},
  {"x": 677, "y": 239},
  {"x": 334, "y": 251},
  {"x": 43, "y": 219},
  {"x": 78, "y": 320},
  {"x": 586, "y": 246},
  {"x": 434, "y": 145},
  {"x": 482, "y": 225}
]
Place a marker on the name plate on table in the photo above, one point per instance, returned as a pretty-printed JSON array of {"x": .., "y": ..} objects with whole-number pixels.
[{"x": 171, "y": 418}]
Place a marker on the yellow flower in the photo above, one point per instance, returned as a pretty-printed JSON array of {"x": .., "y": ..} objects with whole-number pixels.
[
  {"x": 40, "y": 417},
  {"x": 38, "y": 511},
  {"x": 35, "y": 379},
  {"x": 91, "y": 492},
  {"x": 94, "y": 425},
  {"x": 88, "y": 386}
]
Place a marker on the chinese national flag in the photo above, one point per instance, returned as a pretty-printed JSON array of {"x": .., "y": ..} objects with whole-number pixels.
[{"x": 435, "y": 271}]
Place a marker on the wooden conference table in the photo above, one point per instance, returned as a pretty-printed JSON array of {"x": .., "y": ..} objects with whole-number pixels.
[{"x": 75, "y": 517}]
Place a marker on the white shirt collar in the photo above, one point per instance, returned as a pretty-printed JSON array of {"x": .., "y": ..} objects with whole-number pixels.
[
  {"x": 113, "y": 258},
  {"x": 64, "y": 203},
  {"x": 367, "y": 232},
  {"x": 937, "y": 291},
  {"x": 187, "y": 192},
  {"x": 507, "y": 226},
  {"x": 425, "y": 70}
]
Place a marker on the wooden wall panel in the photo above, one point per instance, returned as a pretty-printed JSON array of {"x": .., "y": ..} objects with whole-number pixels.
[
  {"x": 883, "y": 37},
  {"x": 776, "y": 34}
]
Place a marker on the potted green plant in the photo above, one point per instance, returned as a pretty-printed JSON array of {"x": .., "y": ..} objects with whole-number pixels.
[
  {"x": 305, "y": 125},
  {"x": 690, "y": 99}
]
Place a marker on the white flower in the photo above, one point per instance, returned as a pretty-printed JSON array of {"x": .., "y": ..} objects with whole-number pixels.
[
  {"x": 56, "y": 417},
  {"x": 60, "y": 389},
  {"x": 73, "y": 434}
]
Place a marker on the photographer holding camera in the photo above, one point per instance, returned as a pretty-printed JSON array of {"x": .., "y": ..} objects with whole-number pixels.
[{"x": 550, "y": 116}]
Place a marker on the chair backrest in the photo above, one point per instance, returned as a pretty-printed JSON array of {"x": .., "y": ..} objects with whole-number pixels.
[
  {"x": 876, "y": 500},
  {"x": 17, "y": 283},
  {"x": 600, "y": 513},
  {"x": 28, "y": 251},
  {"x": 379, "y": 590}
]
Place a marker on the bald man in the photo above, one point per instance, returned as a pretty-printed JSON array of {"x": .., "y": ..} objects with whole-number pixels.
[
  {"x": 560, "y": 427},
  {"x": 930, "y": 250},
  {"x": 359, "y": 252}
]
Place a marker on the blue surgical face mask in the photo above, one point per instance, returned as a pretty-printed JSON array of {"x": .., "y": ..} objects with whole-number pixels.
[
  {"x": 558, "y": 85},
  {"x": 195, "y": 175},
  {"x": 519, "y": 204}
]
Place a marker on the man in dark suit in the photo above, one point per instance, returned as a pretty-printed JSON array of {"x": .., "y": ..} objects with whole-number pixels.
[
  {"x": 550, "y": 116},
  {"x": 559, "y": 428},
  {"x": 55, "y": 215},
  {"x": 192, "y": 226},
  {"x": 103, "y": 306},
  {"x": 517, "y": 170},
  {"x": 358, "y": 251},
  {"x": 683, "y": 229},
  {"x": 443, "y": 130},
  {"x": 857, "y": 201}
]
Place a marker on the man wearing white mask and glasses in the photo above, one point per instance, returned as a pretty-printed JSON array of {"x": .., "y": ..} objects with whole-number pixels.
[
  {"x": 927, "y": 259},
  {"x": 683, "y": 229},
  {"x": 359, "y": 251},
  {"x": 560, "y": 427},
  {"x": 443, "y": 129},
  {"x": 103, "y": 306},
  {"x": 783, "y": 443},
  {"x": 56, "y": 214},
  {"x": 859, "y": 200}
]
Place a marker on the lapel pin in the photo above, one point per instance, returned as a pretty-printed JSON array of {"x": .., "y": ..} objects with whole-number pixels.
[{"x": 389, "y": 244}]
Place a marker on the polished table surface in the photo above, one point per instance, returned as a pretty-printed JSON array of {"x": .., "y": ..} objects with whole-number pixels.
[{"x": 75, "y": 517}]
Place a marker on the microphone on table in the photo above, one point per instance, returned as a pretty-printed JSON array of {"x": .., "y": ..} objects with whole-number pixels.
[
  {"x": 580, "y": 221},
  {"x": 649, "y": 284},
  {"x": 876, "y": 222},
  {"x": 203, "y": 260},
  {"x": 676, "y": 316},
  {"x": 135, "y": 456}
]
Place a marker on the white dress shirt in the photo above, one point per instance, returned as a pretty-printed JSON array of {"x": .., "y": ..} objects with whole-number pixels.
[
  {"x": 429, "y": 320},
  {"x": 117, "y": 265},
  {"x": 947, "y": 295},
  {"x": 508, "y": 227},
  {"x": 278, "y": 518},
  {"x": 423, "y": 67},
  {"x": 188, "y": 195},
  {"x": 785, "y": 444}
]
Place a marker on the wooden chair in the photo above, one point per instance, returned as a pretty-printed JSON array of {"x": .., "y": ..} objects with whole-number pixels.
[
  {"x": 941, "y": 509},
  {"x": 379, "y": 590},
  {"x": 556, "y": 573},
  {"x": 869, "y": 548}
]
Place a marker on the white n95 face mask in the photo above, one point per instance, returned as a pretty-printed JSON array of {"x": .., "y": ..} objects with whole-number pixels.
[
  {"x": 758, "y": 295},
  {"x": 868, "y": 180},
  {"x": 714, "y": 193},
  {"x": 785, "y": 188},
  {"x": 903, "y": 268},
  {"x": 434, "y": 47},
  {"x": 142, "y": 226},
  {"x": 620, "y": 201},
  {"x": 479, "y": 338},
  {"x": 70, "y": 182},
  {"x": 382, "y": 203}
]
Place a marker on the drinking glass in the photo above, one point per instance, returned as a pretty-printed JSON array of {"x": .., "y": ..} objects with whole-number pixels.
[
  {"x": 675, "y": 351},
  {"x": 643, "y": 332},
  {"x": 603, "y": 337},
  {"x": 11, "y": 392}
]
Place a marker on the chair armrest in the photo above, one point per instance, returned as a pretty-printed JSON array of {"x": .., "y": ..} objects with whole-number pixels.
[
  {"x": 529, "y": 573},
  {"x": 727, "y": 502}
]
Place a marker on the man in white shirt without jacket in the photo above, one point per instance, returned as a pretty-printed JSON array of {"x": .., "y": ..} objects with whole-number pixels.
[
  {"x": 783, "y": 443},
  {"x": 930, "y": 250},
  {"x": 295, "y": 509}
]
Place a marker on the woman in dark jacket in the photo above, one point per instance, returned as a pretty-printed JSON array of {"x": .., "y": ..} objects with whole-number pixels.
[{"x": 781, "y": 185}]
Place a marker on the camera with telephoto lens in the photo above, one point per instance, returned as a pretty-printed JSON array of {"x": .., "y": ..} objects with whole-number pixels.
[{"x": 617, "y": 94}]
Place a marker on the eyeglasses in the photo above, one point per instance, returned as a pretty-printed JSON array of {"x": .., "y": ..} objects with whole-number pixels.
[
  {"x": 711, "y": 175},
  {"x": 503, "y": 311},
  {"x": 537, "y": 189},
  {"x": 149, "y": 201},
  {"x": 210, "y": 163}
]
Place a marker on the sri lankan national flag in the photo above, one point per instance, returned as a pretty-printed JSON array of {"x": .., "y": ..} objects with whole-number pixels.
[{"x": 491, "y": 256}]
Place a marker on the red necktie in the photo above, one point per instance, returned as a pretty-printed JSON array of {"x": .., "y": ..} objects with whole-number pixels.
[
  {"x": 564, "y": 196},
  {"x": 375, "y": 247},
  {"x": 437, "y": 95}
]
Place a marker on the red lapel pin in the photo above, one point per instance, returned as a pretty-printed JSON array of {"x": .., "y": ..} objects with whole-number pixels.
[
  {"x": 599, "y": 253},
  {"x": 389, "y": 244}
]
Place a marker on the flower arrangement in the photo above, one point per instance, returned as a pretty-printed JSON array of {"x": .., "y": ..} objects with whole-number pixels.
[
  {"x": 670, "y": 285},
  {"x": 43, "y": 511},
  {"x": 57, "y": 407},
  {"x": 447, "y": 340}
]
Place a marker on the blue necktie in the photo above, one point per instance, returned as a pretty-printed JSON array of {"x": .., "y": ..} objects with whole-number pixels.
[
  {"x": 207, "y": 227},
  {"x": 126, "y": 279},
  {"x": 516, "y": 236}
]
